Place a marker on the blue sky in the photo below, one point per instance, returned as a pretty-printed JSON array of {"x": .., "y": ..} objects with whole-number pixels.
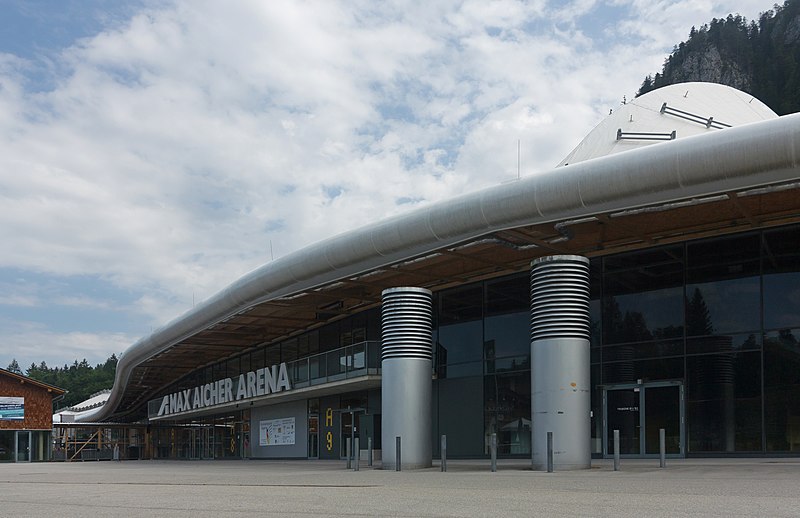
[{"x": 153, "y": 152}]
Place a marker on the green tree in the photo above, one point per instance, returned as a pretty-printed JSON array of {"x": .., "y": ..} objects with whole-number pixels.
[{"x": 14, "y": 367}]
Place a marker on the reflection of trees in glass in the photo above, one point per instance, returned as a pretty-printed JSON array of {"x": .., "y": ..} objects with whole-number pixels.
[
  {"x": 698, "y": 318},
  {"x": 632, "y": 326}
]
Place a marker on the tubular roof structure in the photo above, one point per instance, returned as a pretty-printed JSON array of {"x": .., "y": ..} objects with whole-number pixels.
[{"x": 718, "y": 180}]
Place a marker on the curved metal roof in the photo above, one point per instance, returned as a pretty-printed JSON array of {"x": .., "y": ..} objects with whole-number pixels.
[{"x": 504, "y": 227}]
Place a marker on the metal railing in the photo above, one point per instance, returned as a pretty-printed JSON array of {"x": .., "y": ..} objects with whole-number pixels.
[{"x": 347, "y": 362}]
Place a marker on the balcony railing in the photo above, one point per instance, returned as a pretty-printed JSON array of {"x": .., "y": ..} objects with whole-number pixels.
[{"x": 351, "y": 361}]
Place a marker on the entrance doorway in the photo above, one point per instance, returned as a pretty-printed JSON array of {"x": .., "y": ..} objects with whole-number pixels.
[
  {"x": 638, "y": 411},
  {"x": 23, "y": 446}
]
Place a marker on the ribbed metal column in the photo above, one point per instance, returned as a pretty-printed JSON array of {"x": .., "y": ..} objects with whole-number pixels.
[
  {"x": 406, "y": 356},
  {"x": 560, "y": 380}
]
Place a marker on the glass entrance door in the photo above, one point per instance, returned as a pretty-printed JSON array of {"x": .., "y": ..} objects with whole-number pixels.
[
  {"x": 639, "y": 411},
  {"x": 23, "y": 447}
]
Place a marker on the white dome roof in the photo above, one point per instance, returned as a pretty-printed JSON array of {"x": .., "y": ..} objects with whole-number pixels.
[{"x": 642, "y": 122}]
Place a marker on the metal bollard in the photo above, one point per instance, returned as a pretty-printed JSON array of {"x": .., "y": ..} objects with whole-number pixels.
[
  {"x": 662, "y": 447},
  {"x": 444, "y": 453},
  {"x": 493, "y": 451},
  {"x": 616, "y": 450},
  {"x": 347, "y": 452},
  {"x": 397, "y": 452},
  {"x": 549, "y": 452},
  {"x": 369, "y": 451},
  {"x": 356, "y": 453}
]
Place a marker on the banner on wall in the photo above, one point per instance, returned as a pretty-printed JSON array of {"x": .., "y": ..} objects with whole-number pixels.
[
  {"x": 276, "y": 432},
  {"x": 12, "y": 408}
]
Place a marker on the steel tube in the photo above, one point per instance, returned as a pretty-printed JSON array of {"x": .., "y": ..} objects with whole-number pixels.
[
  {"x": 369, "y": 451},
  {"x": 549, "y": 452},
  {"x": 493, "y": 451},
  {"x": 356, "y": 454},
  {"x": 406, "y": 373},
  {"x": 398, "y": 457},
  {"x": 444, "y": 453},
  {"x": 662, "y": 447},
  {"x": 347, "y": 452},
  {"x": 560, "y": 378},
  {"x": 616, "y": 450}
]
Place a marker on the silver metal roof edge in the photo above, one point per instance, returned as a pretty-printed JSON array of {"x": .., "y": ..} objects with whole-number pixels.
[{"x": 742, "y": 157}]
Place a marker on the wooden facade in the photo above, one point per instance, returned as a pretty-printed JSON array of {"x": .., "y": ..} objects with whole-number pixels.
[{"x": 38, "y": 401}]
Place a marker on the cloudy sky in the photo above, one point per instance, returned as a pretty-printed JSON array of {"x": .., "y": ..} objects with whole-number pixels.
[{"x": 151, "y": 152}]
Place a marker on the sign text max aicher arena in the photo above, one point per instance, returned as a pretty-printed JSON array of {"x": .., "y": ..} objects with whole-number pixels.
[{"x": 255, "y": 383}]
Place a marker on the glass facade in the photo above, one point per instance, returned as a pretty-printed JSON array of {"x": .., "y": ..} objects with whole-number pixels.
[{"x": 719, "y": 318}]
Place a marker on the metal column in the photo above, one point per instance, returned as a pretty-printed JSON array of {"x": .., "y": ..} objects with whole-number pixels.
[
  {"x": 406, "y": 369},
  {"x": 560, "y": 381}
]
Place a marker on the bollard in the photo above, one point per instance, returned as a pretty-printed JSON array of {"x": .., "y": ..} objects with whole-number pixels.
[
  {"x": 397, "y": 456},
  {"x": 616, "y": 450},
  {"x": 662, "y": 447},
  {"x": 444, "y": 453},
  {"x": 356, "y": 453},
  {"x": 549, "y": 452},
  {"x": 493, "y": 451},
  {"x": 369, "y": 451},
  {"x": 347, "y": 452}
]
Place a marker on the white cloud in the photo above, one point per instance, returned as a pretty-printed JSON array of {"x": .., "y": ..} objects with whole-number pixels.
[{"x": 174, "y": 151}]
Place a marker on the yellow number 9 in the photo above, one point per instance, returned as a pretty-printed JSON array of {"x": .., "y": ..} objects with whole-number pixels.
[{"x": 329, "y": 441}]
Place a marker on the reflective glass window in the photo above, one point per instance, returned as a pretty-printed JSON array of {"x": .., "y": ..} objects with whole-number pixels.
[
  {"x": 289, "y": 350},
  {"x": 642, "y": 350},
  {"x": 781, "y": 260},
  {"x": 723, "y": 291},
  {"x": 507, "y": 335},
  {"x": 643, "y": 297},
  {"x": 460, "y": 332},
  {"x": 723, "y": 343},
  {"x": 646, "y": 370},
  {"x": 507, "y": 412},
  {"x": 724, "y": 402},
  {"x": 782, "y": 390},
  {"x": 507, "y": 322},
  {"x": 460, "y": 408}
]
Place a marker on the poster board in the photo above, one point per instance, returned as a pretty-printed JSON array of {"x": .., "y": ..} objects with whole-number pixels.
[
  {"x": 12, "y": 408},
  {"x": 276, "y": 432}
]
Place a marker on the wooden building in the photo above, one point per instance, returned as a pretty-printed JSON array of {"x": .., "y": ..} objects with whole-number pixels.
[{"x": 26, "y": 417}]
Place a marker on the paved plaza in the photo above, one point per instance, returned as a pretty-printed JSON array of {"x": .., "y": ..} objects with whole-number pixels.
[{"x": 693, "y": 487}]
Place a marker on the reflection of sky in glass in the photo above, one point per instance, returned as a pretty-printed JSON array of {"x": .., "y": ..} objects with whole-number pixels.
[
  {"x": 733, "y": 305},
  {"x": 782, "y": 300}
]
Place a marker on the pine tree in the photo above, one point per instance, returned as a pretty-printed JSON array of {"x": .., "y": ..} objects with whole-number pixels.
[{"x": 14, "y": 367}]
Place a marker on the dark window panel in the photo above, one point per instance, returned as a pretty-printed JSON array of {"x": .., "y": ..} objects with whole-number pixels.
[
  {"x": 724, "y": 402},
  {"x": 289, "y": 350},
  {"x": 461, "y": 305},
  {"x": 507, "y": 335},
  {"x": 723, "y": 258},
  {"x": 460, "y": 405},
  {"x": 508, "y": 295},
  {"x": 723, "y": 343},
  {"x": 638, "y": 317},
  {"x": 645, "y": 370},
  {"x": 640, "y": 351},
  {"x": 507, "y": 410},
  {"x": 725, "y": 306},
  {"x": 782, "y": 390},
  {"x": 459, "y": 343}
]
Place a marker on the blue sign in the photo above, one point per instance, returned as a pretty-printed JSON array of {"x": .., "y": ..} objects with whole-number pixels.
[{"x": 12, "y": 408}]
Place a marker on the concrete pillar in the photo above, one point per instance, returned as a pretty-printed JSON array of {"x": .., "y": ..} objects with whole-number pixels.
[
  {"x": 406, "y": 368},
  {"x": 560, "y": 380}
]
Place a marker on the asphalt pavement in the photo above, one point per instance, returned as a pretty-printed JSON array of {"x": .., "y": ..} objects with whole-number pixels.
[{"x": 686, "y": 487}]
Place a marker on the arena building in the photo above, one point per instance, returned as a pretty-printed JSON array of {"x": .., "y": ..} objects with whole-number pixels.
[{"x": 673, "y": 234}]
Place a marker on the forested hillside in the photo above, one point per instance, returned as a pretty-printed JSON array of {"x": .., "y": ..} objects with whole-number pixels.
[
  {"x": 81, "y": 380},
  {"x": 759, "y": 57}
]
